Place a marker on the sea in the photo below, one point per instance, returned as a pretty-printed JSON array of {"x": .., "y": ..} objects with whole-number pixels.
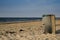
[
  {"x": 8, "y": 19},
  {"x": 13, "y": 19}
]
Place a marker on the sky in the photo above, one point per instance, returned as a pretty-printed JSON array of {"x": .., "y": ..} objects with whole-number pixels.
[{"x": 29, "y": 8}]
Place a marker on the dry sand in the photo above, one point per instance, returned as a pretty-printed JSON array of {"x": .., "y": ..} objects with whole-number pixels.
[{"x": 32, "y": 30}]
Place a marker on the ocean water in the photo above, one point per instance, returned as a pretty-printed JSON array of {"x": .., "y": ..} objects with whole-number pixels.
[
  {"x": 11, "y": 19},
  {"x": 17, "y": 19}
]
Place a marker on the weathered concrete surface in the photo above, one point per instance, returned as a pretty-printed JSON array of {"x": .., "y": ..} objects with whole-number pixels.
[{"x": 49, "y": 24}]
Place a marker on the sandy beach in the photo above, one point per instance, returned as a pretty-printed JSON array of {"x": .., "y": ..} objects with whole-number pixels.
[{"x": 32, "y": 30}]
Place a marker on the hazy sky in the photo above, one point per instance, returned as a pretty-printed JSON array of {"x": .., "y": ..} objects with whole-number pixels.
[{"x": 29, "y": 8}]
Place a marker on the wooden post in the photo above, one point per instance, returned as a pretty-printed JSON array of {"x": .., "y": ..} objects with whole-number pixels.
[{"x": 53, "y": 24}]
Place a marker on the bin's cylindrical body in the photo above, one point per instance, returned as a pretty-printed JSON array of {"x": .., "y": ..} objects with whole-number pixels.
[{"x": 48, "y": 23}]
